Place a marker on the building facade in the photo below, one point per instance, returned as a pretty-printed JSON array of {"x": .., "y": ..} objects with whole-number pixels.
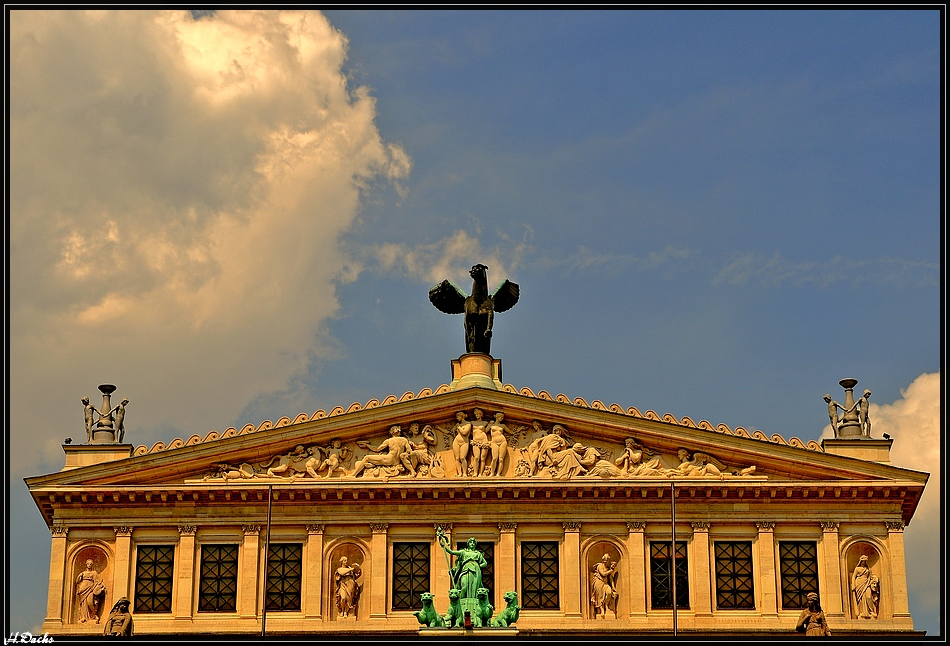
[{"x": 593, "y": 515}]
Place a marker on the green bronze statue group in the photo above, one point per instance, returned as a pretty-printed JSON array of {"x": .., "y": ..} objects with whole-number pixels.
[{"x": 469, "y": 606}]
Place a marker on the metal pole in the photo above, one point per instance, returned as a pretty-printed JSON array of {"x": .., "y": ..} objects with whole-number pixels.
[
  {"x": 673, "y": 550},
  {"x": 270, "y": 499}
]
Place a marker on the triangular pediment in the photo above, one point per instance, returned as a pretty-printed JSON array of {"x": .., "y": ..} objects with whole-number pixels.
[{"x": 538, "y": 438}]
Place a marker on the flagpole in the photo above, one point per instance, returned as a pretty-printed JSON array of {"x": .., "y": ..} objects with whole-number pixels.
[{"x": 673, "y": 549}]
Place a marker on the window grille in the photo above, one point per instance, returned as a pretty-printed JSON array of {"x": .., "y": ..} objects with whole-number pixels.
[
  {"x": 661, "y": 584},
  {"x": 284, "y": 573},
  {"x": 154, "y": 573},
  {"x": 218, "y": 586},
  {"x": 410, "y": 574},
  {"x": 734, "y": 580},
  {"x": 488, "y": 573},
  {"x": 799, "y": 570},
  {"x": 539, "y": 576}
]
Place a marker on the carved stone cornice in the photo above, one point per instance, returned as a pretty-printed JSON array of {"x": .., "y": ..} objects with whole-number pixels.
[
  {"x": 894, "y": 525},
  {"x": 59, "y": 530},
  {"x": 187, "y": 530},
  {"x": 700, "y": 525},
  {"x": 507, "y": 528},
  {"x": 445, "y": 527},
  {"x": 829, "y": 526},
  {"x": 316, "y": 528},
  {"x": 378, "y": 528},
  {"x": 765, "y": 526},
  {"x": 251, "y": 530},
  {"x": 637, "y": 526},
  {"x": 122, "y": 531},
  {"x": 571, "y": 526}
]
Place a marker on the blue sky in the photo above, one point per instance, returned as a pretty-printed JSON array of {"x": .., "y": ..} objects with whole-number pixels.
[{"x": 714, "y": 214}]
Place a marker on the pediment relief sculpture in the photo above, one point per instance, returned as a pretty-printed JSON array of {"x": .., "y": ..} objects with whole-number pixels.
[{"x": 478, "y": 446}]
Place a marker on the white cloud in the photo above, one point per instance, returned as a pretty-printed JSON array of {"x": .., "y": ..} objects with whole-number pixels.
[
  {"x": 747, "y": 267},
  {"x": 452, "y": 258},
  {"x": 914, "y": 424},
  {"x": 178, "y": 190}
]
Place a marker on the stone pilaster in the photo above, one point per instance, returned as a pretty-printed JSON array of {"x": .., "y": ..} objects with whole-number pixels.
[
  {"x": 505, "y": 559},
  {"x": 313, "y": 573},
  {"x": 185, "y": 575},
  {"x": 767, "y": 580},
  {"x": 571, "y": 569},
  {"x": 830, "y": 567},
  {"x": 701, "y": 592},
  {"x": 441, "y": 570},
  {"x": 895, "y": 545},
  {"x": 123, "y": 566},
  {"x": 249, "y": 582},
  {"x": 636, "y": 575},
  {"x": 57, "y": 574},
  {"x": 380, "y": 559}
]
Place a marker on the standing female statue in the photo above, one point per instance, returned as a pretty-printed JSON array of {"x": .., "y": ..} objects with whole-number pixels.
[
  {"x": 812, "y": 621},
  {"x": 460, "y": 445},
  {"x": 90, "y": 591},
  {"x": 119, "y": 623},
  {"x": 466, "y": 574},
  {"x": 347, "y": 588},
  {"x": 603, "y": 587},
  {"x": 481, "y": 445},
  {"x": 863, "y": 592},
  {"x": 499, "y": 445}
]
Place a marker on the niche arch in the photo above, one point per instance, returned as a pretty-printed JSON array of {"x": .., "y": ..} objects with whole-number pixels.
[
  {"x": 356, "y": 551},
  {"x": 102, "y": 565},
  {"x": 878, "y": 562},
  {"x": 593, "y": 551}
]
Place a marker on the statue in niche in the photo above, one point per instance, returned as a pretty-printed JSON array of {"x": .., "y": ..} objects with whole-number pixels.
[
  {"x": 481, "y": 446},
  {"x": 466, "y": 574},
  {"x": 479, "y": 308},
  {"x": 865, "y": 590},
  {"x": 603, "y": 588},
  {"x": 336, "y": 458},
  {"x": 348, "y": 587},
  {"x": 119, "y": 623},
  {"x": 423, "y": 457},
  {"x": 499, "y": 445},
  {"x": 462, "y": 443},
  {"x": 631, "y": 463},
  {"x": 812, "y": 621},
  {"x": 91, "y": 592},
  {"x": 390, "y": 458}
]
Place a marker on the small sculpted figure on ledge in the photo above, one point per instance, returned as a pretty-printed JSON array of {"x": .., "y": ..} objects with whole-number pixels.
[{"x": 812, "y": 621}]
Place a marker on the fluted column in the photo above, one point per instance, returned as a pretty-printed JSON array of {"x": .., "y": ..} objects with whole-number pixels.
[
  {"x": 185, "y": 577},
  {"x": 249, "y": 587},
  {"x": 571, "y": 569},
  {"x": 636, "y": 575},
  {"x": 123, "y": 557},
  {"x": 313, "y": 576},
  {"x": 895, "y": 545},
  {"x": 57, "y": 573},
  {"x": 379, "y": 593},
  {"x": 440, "y": 567},
  {"x": 767, "y": 581},
  {"x": 830, "y": 594},
  {"x": 505, "y": 560},
  {"x": 701, "y": 592}
]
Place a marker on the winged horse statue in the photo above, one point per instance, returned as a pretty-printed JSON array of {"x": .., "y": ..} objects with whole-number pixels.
[{"x": 479, "y": 308}]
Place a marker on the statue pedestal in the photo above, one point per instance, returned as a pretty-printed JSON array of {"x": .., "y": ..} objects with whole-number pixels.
[
  {"x": 81, "y": 455},
  {"x": 476, "y": 370}
]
